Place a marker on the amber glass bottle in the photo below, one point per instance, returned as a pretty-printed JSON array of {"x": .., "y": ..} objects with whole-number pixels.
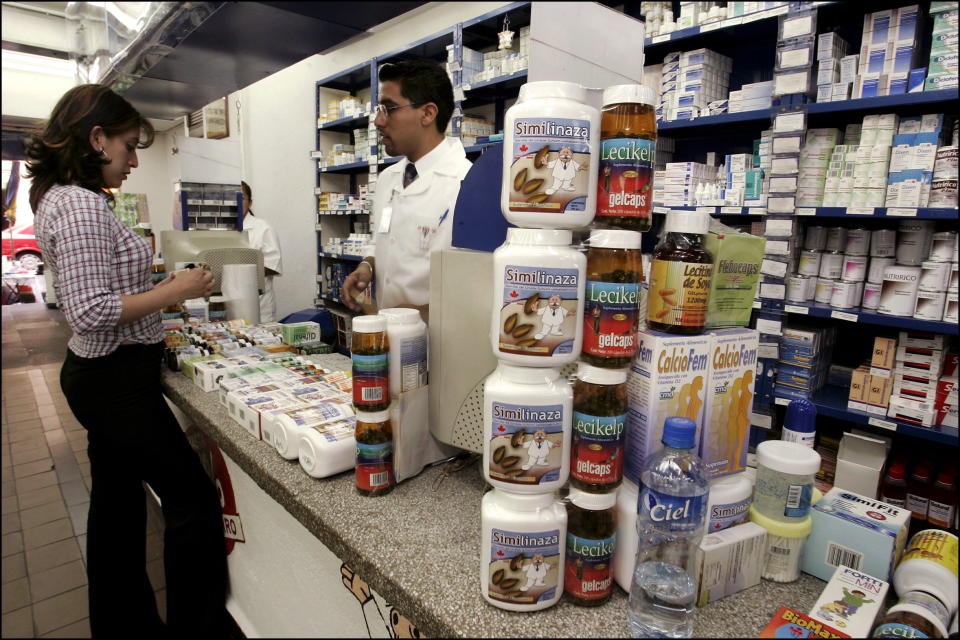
[
  {"x": 628, "y": 136},
  {"x": 680, "y": 275},
  {"x": 369, "y": 352},
  {"x": 600, "y": 405},
  {"x": 374, "y": 469},
  {"x": 612, "y": 298},
  {"x": 591, "y": 538}
]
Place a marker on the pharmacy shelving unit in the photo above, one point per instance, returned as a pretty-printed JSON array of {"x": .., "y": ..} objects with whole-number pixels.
[{"x": 751, "y": 41}]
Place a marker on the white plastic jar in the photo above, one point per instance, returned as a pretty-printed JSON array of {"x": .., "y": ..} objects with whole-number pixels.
[
  {"x": 784, "y": 485},
  {"x": 527, "y": 421},
  {"x": 523, "y": 544},
  {"x": 785, "y": 542},
  {"x": 831, "y": 265},
  {"x": 728, "y": 503},
  {"x": 328, "y": 449},
  {"x": 625, "y": 554},
  {"x": 898, "y": 293},
  {"x": 929, "y": 564},
  {"x": 407, "y": 336},
  {"x": 538, "y": 285},
  {"x": 289, "y": 426},
  {"x": 883, "y": 243},
  {"x": 551, "y": 155},
  {"x": 914, "y": 238}
]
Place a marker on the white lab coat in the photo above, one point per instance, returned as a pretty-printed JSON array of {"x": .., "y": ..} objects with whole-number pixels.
[
  {"x": 262, "y": 236},
  {"x": 420, "y": 222}
]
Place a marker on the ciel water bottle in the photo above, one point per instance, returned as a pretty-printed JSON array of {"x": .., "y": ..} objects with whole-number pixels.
[{"x": 670, "y": 517}]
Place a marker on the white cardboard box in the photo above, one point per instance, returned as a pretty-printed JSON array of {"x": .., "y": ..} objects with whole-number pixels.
[
  {"x": 860, "y": 464},
  {"x": 834, "y": 608},
  {"x": 730, "y": 560}
]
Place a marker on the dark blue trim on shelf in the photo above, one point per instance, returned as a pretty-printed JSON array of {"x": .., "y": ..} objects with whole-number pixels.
[
  {"x": 439, "y": 35},
  {"x": 480, "y": 147},
  {"x": 343, "y": 256},
  {"x": 722, "y": 119},
  {"x": 923, "y": 213},
  {"x": 832, "y": 401},
  {"x": 498, "y": 80},
  {"x": 345, "y": 168},
  {"x": 343, "y": 124},
  {"x": 868, "y": 316},
  {"x": 881, "y": 102}
]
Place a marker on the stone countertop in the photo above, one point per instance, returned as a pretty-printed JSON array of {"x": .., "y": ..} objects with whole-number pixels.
[{"x": 419, "y": 546}]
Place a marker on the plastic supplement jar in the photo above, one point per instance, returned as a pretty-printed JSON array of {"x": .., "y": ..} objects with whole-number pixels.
[
  {"x": 784, "y": 486},
  {"x": 537, "y": 298},
  {"x": 551, "y": 155},
  {"x": 591, "y": 543},
  {"x": 523, "y": 544},
  {"x": 929, "y": 564},
  {"x": 327, "y": 449},
  {"x": 370, "y": 355},
  {"x": 527, "y": 416},
  {"x": 628, "y": 136},
  {"x": 612, "y": 298},
  {"x": 407, "y": 336},
  {"x": 374, "y": 468},
  {"x": 785, "y": 541},
  {"x": 600, "y": 405},
  {"x": 289, "y": 426},
  {"x": 728, "y": 503}
]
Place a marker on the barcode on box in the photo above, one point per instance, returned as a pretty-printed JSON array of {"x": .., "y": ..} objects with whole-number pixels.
[
  {"x": 381, "y": 479},
  {"x": 794, "y": 496},
  {"x": 840, "y": 555},
  {"x": 780, "y": 551},
  {"x": 372, "y": 394}
]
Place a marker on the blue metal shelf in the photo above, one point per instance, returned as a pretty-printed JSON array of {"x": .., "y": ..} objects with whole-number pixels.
[
  {"x": 480, "y": 147},
  {"x": 868, "y": 316},
  {"x": 342, "y": 256},
  {"x": 345, "y": 168},
  {"x": 344, "y": 124},
  {"x": 832, "y": 401},
  {"x": 830, "y": 212},
  {"x": 518, "y": 75},
  {"x": 722, "y": 119},
  {"x": 342, "y": 212},
  {"x": 884, "y": 102}
]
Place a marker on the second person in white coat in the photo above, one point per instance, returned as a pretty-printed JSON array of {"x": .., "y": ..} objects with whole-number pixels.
[{"x": 262, "y": 236}]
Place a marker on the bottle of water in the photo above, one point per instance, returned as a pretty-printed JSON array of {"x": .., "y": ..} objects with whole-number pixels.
[{"x": 670, "y": 518}]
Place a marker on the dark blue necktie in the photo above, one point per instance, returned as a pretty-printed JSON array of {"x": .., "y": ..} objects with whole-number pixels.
[{"x": 409, "y": 175}]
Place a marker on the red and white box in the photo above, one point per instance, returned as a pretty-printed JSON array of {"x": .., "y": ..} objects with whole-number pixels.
[{"x": 922, "y": 340}]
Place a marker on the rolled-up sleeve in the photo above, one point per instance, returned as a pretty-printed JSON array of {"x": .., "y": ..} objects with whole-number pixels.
[{"x": 85, "y": 239}]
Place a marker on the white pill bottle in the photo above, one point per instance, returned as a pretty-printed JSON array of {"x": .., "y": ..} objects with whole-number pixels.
[
  {"x": 538, "y": 285},
  {"x": 407, "y": 336},
  {"x": 522, "y": 550},
  {"x": 527, "y": 420},
  {"x": 551, "y": 155}
]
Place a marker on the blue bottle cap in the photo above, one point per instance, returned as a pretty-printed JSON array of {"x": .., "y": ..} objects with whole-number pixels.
[
  {"x": 801, "y": 416},
  {"x": 679, "y": 432}
]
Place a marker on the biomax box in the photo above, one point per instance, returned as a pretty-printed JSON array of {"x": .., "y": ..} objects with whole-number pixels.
[
  {"x": 851, "y": 600},
  {"x": 668, "y": 377},
  {"x": 729, "y": 401},
  {"x": 855, "y": 531}
]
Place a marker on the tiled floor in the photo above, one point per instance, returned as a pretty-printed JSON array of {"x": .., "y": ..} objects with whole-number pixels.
[{"x": 46, "y": 482}]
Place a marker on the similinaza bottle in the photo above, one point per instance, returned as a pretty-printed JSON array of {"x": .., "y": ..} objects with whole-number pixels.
[
  {"x": 550, "y": 157},
  {"x": 374, "y": 436},
  {"x": 628, "y": 137},
  {"x": 591, "y": 543},
  {"x": 670, "y": 522},
  {"x": 522, "y": 550},
  {"x": 612, "y": 298},
  {"x": 800, "y": 424},
  {"x": 538, "y": 281},
  {"x": 370, "y": 354},
  {"x": 680, "y": 275},
  {"x": 527, "y": 423},
  {"x": 600, "y": 405}
]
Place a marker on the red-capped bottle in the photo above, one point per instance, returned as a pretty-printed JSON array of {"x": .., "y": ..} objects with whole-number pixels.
[
  {"x": 893, "y": 490},
  {"x": 918, "y": 495},
  {"x": 942, "y": 507}
]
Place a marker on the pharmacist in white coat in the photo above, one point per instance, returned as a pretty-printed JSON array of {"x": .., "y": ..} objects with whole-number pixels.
[
  {"x": 262, "y": 236},
  {"x": 415, "y": 198}
]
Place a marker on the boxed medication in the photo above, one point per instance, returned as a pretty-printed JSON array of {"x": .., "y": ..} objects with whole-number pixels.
[
  {"x": 854, "y": 531},
  {"x": 852, "y": 600},
  {"x": 730, "y": 561},
  {"x": 860, "y": 464},
  {"x": 737, "y": 258},
  {"x": 787, "y": 623},
  {"x": 668, "y": 377}
]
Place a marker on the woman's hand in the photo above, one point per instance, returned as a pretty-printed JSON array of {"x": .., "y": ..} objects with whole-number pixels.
[{"x": 191, "y": 283}]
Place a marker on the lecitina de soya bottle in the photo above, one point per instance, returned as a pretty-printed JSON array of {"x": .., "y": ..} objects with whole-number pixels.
[{"x": 680, "y": 275}]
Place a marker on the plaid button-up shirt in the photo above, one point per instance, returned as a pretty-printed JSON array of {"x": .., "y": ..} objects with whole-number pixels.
[{"x": 96, "y": 259}]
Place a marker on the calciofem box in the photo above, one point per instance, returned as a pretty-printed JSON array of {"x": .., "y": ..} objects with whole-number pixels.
[
  {"x": 669, "y": 377},
  {"x": 729, "y": 401}
]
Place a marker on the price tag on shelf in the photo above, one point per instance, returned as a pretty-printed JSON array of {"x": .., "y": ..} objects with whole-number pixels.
[
  {"x": 779, "y": 11},
  {"x": 883, "y": 424},
  {"x": 733, "y": 22},
  {"x": 843, "y": 315},
  {"x": 659, "y": 39},
  {"x": 458, "y": 94},
  {"x": 323, "y": 169},
  {"x": 736, "y": 210},
  {"x": 757, "y": 304},
  {"x": 860, "y": 211},
  {"x": 792, "y": 308},
  {"x": 757, "y": 211},
  {"x": 761, "y": 420},
  {"x": 807, "y": 211},
  {"x": 782, "y": 401},
  {"x": 772, "y": 327},
  {"x": 769, "y": 351},
  {"x": 661, "y": 210},
  {"x": 897, "y": 211},
  {"x": 880, "y": 372},
  {"x": 706, "y": 209},
  {"x": 773, "y": 268},
  {"x": 317, "y": 227},
  {"x": 711, "y": 26}
]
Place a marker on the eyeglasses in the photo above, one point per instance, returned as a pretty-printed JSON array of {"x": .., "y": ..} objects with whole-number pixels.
[{"x": 384, "y": 110}]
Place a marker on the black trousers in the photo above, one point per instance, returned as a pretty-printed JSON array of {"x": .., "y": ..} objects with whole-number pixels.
[{"x": 135, "y": 438}]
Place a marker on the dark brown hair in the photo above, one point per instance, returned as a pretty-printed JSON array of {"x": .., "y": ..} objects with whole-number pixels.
[
  {"x": 423, "y": 81},
  {"x": 61, "y": 153},
  {"x": 246, "y": 190}
]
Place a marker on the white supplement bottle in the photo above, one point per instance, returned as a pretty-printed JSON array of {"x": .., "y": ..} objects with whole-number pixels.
[
  {"x": 407, "y": 336},
  {"x": 929, "y": 564},
  {"x": 728, "y": 503},
  {"x": 538, "y": 285},
  {"x": 551, "y": 155},
  {"x": 522, "y": 550},
  {"x": 625, "y": 554},
  {"x": 898, "y": 292},
  {"x": 289, "y": 426},
  {"x": 527, "y": 419},
  {"x": 328, "y": 449},
  {"x": 784, "y": 487},
  {"x": 914, "y": 238}
]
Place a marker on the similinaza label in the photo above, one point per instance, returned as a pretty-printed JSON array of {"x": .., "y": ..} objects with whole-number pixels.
[
  {"x": 677, "y": 514},
  {"x": 539, "y": 312},
  {"x": 549, "y": 172},
  {"x": 610, "y": 318},
  {"x": 524, "y": 567},
  {"x": 526, "y": 443},
  {"x": 371, "y": 379},
  {"x": 724, "y": 516},
  {"x": 587, "y": 572},
  {"x": 374, "y": 465},
  {"x": 625, "y": 186},
  {"x": 679, "y": 292},
  {"x": 597, "y": 455}
]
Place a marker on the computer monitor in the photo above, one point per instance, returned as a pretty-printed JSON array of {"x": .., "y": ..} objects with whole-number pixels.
[{"x": 180, "y": 247}]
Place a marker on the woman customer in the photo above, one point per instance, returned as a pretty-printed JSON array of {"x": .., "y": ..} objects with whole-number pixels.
[{"x": 111, "y": 375}]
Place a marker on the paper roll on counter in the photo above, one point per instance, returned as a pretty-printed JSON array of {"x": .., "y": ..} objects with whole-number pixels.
[{"x": 242, "y": 297}]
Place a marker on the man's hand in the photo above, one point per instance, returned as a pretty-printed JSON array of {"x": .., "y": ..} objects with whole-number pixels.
[{"x": 355, "y": 284}]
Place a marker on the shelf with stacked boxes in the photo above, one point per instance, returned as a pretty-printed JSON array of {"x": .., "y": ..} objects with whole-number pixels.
[
  {"x": 722, "y": 28},
  {"x": 922, "y": 213},
  {"x": 345, "y": 125},
  {"x": 342, "y": 256},
  {"x": 866, "y": 316}
]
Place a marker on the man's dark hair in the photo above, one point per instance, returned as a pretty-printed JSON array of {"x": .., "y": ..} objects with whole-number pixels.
[
  {"x": 246, "y": 190},
  {"x": 423, "y": 81}
]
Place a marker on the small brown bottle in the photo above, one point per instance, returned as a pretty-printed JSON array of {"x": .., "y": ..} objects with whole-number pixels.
[
  {"x": 628, "y": 137},
  {"x": 611, "y": 316},
  {"x": 369, "y": 353},
  {"x": 680, "y": 274},
  {"x": 591, "y": 538},
  {"x": 374, "y": 468},
  {"x": 600, "y": 407}
]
